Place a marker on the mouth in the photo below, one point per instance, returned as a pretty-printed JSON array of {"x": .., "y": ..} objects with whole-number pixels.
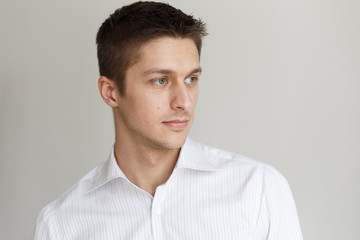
[{"x": 176, "y": 124}]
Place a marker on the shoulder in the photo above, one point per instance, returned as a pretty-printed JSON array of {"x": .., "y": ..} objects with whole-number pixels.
[
  {"x": 75, "y": 194},
  {"x": 223, "y": 159},
  {"x": 243, "y": 169}
]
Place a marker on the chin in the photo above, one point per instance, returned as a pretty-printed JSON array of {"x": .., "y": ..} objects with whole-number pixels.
[{"x": 170, "y": 142}]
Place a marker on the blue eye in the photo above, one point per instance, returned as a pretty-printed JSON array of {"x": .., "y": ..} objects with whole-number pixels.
[
  {"x": 160, "y": 81},
  {"x": 191, "y": 80}
]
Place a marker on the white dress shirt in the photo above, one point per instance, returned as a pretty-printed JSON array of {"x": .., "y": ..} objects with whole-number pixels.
[{"x": 211, "y": 194}]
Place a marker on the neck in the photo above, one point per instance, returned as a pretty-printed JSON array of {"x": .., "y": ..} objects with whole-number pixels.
[{"x": 144, "y": 166}]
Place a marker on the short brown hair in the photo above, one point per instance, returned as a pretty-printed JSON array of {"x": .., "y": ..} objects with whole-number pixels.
[{"x": 128, "y": 28}]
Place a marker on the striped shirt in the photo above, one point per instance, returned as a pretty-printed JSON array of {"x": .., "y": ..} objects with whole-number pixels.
[{"x": 211, "y": 194}]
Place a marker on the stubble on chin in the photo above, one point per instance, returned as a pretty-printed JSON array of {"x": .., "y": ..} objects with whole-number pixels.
[{"x": 166, "y": 144}]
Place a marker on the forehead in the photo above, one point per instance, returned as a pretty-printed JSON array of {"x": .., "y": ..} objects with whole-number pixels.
[{"x": 168, "y": 52}]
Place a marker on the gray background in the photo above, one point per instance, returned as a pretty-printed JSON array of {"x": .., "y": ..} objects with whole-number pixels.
[{"x": 281, "y": 84}]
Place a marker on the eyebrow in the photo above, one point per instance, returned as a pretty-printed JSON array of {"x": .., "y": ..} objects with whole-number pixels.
[{"x": 169, "y": 71}]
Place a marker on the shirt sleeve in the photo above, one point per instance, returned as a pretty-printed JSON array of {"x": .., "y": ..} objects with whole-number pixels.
[
  {"x": 44, "y": 229},
  {"x": 283, "y": 221}
]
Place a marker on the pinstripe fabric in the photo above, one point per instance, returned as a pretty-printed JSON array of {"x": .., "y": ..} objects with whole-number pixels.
[{"x": 211, "y": 194}]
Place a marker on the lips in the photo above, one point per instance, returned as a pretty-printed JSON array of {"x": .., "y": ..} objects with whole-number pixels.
[{"x": 176, "y": 124}]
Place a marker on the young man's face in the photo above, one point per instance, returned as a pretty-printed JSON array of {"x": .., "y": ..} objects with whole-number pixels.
[{"x": 158, "y": 106}]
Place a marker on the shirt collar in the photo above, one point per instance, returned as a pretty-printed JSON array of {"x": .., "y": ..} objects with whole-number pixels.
[
  {"x": 193, "y": 155},
  {"x": 110, "y": 170}
]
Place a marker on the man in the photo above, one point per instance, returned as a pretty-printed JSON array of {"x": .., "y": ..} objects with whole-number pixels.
[{"x": 157, "y": 183}]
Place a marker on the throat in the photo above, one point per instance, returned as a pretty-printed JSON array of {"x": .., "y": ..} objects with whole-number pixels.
[{"x": 147, "y": 171}]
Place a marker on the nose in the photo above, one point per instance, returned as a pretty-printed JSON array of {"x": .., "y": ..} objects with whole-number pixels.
[{"x": 181, "y": 98}]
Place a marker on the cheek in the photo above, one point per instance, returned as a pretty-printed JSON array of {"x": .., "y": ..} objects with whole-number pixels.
[
  {"x": 149, "y": 105},
  {"x": 156, "y": 102},
  {"x": 150, "y": 109},
  {"x": 194, "y": 96}
]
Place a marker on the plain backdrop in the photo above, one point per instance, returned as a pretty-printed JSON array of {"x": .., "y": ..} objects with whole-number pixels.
[{"x": 280, "y": 83}]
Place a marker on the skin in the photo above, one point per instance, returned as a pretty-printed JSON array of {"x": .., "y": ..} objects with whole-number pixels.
[{"x": 154, "y": 116}]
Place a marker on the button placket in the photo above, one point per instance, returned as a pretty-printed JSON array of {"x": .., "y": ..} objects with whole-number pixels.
[{"x": 156, "y": 211}]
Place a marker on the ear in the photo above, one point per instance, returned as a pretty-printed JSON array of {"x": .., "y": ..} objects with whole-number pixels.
[{"x": 108, "y": 91}]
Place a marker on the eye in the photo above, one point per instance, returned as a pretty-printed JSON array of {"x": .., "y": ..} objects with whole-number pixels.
[
  {"x": 191, "y": 80},
  {"x": 160, "y": 81}
]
